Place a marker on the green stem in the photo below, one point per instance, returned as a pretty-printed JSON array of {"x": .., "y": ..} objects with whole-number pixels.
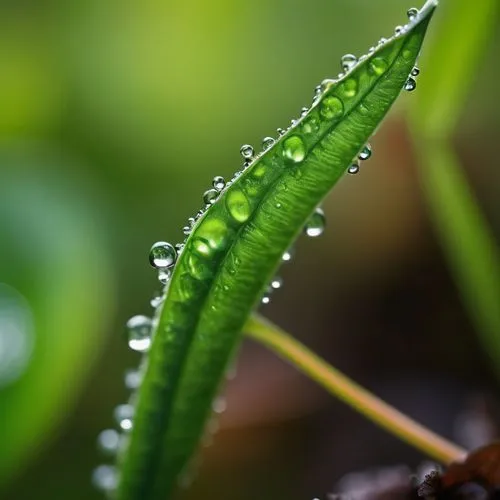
[{"x": 351, "y": 393}]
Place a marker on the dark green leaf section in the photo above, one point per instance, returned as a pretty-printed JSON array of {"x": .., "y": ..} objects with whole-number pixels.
[{"x": 233, "y": 253}]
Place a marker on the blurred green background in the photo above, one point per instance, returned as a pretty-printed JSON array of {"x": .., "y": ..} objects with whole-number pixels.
[{"x": 114, "y": 117}]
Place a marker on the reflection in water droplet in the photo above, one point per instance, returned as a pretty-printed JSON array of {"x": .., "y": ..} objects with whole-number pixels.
[
  {"x": 412, "y": 13},
  {"x": 132, "y": 379},
  {"x": 331, "y": 108},
  {"x": 294, "y": 150},
  {"x": 210, "y": 196},
  {"x": 353, "y": 169},
  {"x": 247, "y": 151},
  {"x": 123, "y": 416},
  {"x": 219, "y": 183},
  {"x": 162, "y": 254},
  {"x": 316, "y": 224},
  {"x": 410, "y": 85},
  {"x": 139, "y": 333},
  {"x": 108, "y": 441},
  {"x": 366, "y": 152},
  {"x": 17, "y": 334},
  {"x": 105, "y": 478},
  {"x": 348, "y": 61},
  {"x": 237, "y": 205}
]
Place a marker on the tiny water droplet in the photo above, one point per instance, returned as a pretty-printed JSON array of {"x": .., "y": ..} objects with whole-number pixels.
[
  {"x": 105, "y": 478},
  {"x": 132, "y": 379},
  {"x": 398, "y": 30},
  {"x": 316, "y": 224},
  {"x": 412, "y": 13},
  {"x": 294, "y": 150},
  {"x": 238, "y": 205},
  {"x": 310, "y": 125},
  {"x": 304, "y": 111},
  {"x": 210, "y": 196},
  {"x": 123, "y": 416},
  {"x": 348, "y": 61},
  {"x": 276, "y": 283},
  {"x": 353, "y": 169},
  {"x": 186, "y": 230},
  {"x": 179, "y": 247},
  {"x": 162, "y": 254},
  {"x": 280, "y": 131},
  {"x": 415, "y": 71},
  {"x": 378, "y": 66},
  {"x": 326, "y": 84},
  {"x": 191, "y": 222},
  {"x": 350, "y": 87},
  {"x": 366, "y": 152},
  {"x": 139, "y": 333},
  {"x": 332, "y": 108},
  {"x": 410, "y": 84},
  {"x": 164, "y": 276},
  {"x": 267, "y": 142},
  {"x": 266, "y": 299},
  {"x": 247, "y": 151},
  {"x": 157, "y": 301},
  {"x": 219, "y": 405},
  {"x": 219, "y": 182},
  {"x": 108, "y": 441},
  {"x": 288, "y": 255},
  {"x": 382, "y": 41}
]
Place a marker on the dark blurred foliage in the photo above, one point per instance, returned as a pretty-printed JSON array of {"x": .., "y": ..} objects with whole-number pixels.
[{"x": 114, "y": 117}]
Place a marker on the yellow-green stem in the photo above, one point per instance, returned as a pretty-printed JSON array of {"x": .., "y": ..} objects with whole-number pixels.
[{"x": 351, "y": 393}]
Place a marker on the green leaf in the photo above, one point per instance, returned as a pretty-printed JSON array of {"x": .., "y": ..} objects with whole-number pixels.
[{"x": 232, "y": 253}]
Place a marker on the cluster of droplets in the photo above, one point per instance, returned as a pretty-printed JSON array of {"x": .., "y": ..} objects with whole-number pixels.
[{"x": 364, "y": 155}]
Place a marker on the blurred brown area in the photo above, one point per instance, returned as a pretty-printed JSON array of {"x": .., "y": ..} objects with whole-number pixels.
[{"x": 143, "y": 103}]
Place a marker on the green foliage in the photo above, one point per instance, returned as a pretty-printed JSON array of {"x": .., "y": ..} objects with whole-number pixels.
[{"x": 233, "y": 251}]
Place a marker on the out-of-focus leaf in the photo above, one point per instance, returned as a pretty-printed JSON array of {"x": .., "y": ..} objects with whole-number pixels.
[{"x": 54, "y": 297}]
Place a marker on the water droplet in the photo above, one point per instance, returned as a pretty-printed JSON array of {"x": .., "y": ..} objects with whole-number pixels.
[
  {"x": 237, "y": 205},
  {"x": 316, "y": 224},
  {"x": 294, "y": 150},
  {"x": 247, "y": 151},
  {"x": 412, "y": 13},
  {"x": 157, "y": 301},
  {"x": 353, "y": 169},
  {"x": 310, "y": 125},
  {"x": 179, "y": 247},
  {"x": 266, "y": 299},
  {"x": 410, "y": 84},
  {"x": 350, "y": 87},
  {"x": 332, "y": 108},
  {"x": 399, "y": 30},
  {"x": 366, "y": 152},
  {"x": 219, "y": 405},
  {"x": 162, "y": 254},
  {"x": 280, "y": 131},
  {"x": 123, "y": 415},
  {"x": 288, "y": 255},
  {"x": 186, "y": 230},
  {"x": 317, "y": 91},
  {"x": 219, "y": 183},
  {"x": 132, "y": 379},
  {"x": 326, "y": 84},
  {"x": 267, "y": 142},
  {"x": 164, "y": 276},
  {"x": 304, "y": 111},
  {"x": 191, "y": 222},
  {"x": 105, "y": 478},
  {"x": 378, "y": 66},
  {"x": 108, "y": 441},
  {"x": 276, "y": 283},
  {"x": 415, "y": 71},
  {"x": 210, "y": 196},
  {"x": 139, "y": 333},
  {"x": 382, "y": 41},
  {"x": 348, "y": 61}
]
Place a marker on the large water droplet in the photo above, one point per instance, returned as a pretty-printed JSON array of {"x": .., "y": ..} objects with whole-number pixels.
[
  {"x": 132, "y": 379},
  {"x": 378, "y": 66},
  {"x": 294, "y": 150},
  {"x": 410, "y": 84},
  {"x": 139, "y": 333},
  {"x": 162, "y": 254},
  {"x": 105, "y": 478},
  {"x": 331, "y": 108},
  {"x": 247, "y": 151},
  {"x": 123, "y": 416},
  {"x": 210, "y": 196},
  {"x": 108, "y": 441},
  {"x": 219, "y": 183},
  {"x": 353, "y": 169},
  {"x": 366, "y": 152},
  {"x": 237, "y": 205},
  {"x": 412, "y": 13},
  {"x": 348, "y": 61},
  {"x": 267, "y": 142},
  {"x": 316, "y": 224}
]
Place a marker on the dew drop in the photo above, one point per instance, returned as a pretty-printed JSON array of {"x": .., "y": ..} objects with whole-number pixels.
[
  {"x": 294, "y": 150},
  {"x": 316, "y": 224},
  {"x": 276, "y": 283},
  {"x": 186, "y": 230},
  {"x": 157, "y": 301},
  {"x": 348, "y": 61},
  {"x": 280, "y": 131},
  {"x": 410, "y": 84},
  {"x": 415, "y": 71},
  {"x": 310, "y": 125},
  {"x": 332, "y": 108},
  {"x": 108, "y": 441},
  {"x": 162, "y": 254},
  {"x": 237, "y": 205},
  {"x": 353, "y": 169},
  {"x": 378, "y": 66},
  {"x": 219, "y": 405},
  {"x": 247, "y": 151},
  {"x": 266, "y": 299},
  {"x": 399, "y": 30},
  {"x": 132, "y": 379},
  {"x": 350, "y": 87},
  {"x": 267, "y": 142},
  {"x": 219, "y": 183},
  {"x": 179, "y": 247},
  {"x": 366, "y": 153},
  {"x": 123, "y": 416},
  {"x": 412, "y": 13},
  {"x": 139, "y": 333},
  {"x": 326, "y": 84},
  {"x": 105, "y": 478},
  {"x": 210, "y": 196},
  {"x": 288, "y": 255},
  {"x": 164, "y": 276},
  {"x": 382, "y": 41}
]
